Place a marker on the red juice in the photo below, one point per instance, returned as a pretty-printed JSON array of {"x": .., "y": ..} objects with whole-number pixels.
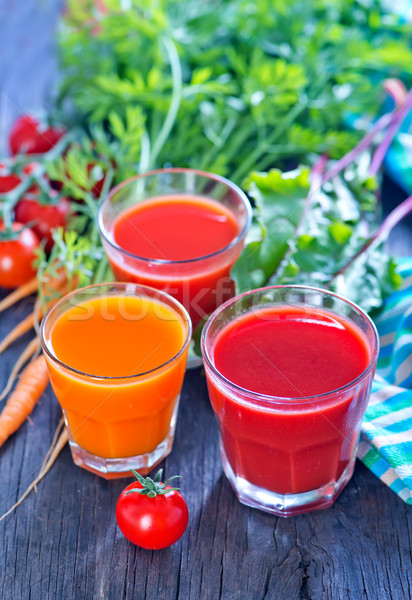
[
  {"x": 296, "y": 441},
  {"x": 184, "y": 230},
  {"x": 175, "y": 228}
]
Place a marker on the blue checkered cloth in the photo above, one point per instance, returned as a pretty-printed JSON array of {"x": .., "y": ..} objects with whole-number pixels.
[{"x": 386, "y": 439}]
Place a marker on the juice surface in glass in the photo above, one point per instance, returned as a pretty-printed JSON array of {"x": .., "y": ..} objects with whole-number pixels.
[
  {"x": 119, "y": 393},
  {"x": 175, "y": 227},
  {"x": 179, "y": 228},
  {"x": 287, "y": 352}
]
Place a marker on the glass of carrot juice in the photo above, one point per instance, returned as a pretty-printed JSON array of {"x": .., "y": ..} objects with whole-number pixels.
[
  {"x": 178, "y": 230},
  {"x": 116, "y": 355},
  {"x": 289, "y": 371}
]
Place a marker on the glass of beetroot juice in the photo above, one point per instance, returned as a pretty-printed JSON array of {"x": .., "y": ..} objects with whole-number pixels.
[
  {"x": 179, "y": 231},
  {"x": 289, "y": 371}
]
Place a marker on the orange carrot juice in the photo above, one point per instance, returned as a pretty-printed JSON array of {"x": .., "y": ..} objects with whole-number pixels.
[{"x": 116, "y": 356}]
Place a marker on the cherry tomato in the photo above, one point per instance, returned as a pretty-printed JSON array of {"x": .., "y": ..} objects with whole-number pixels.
[
  {"x": 8, "y": 179},
  {"x": 154, "y": 517},
  {"x": 98, "y": 186},
  {"x": 45, "y": 217},
  {"x": 98, "y": 181},
  {"x": 16, "y": 257},
  {"x": 29, "y": 136},
  {"x": 12, "y": 177}
]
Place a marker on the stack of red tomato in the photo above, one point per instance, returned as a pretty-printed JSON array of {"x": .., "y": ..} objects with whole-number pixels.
[
  {"x": 38, "y": 211},
  {"x": 31, "y": 204}
]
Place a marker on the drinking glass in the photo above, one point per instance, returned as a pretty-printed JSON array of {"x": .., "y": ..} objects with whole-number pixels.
[
  {"x": 287, "y": 455},
  {"x": 121, "y": 420},
  {"x": 200, "y": 283}
]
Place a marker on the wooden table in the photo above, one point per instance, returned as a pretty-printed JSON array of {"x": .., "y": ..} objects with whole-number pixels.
[{"x": 63, "y": 542}]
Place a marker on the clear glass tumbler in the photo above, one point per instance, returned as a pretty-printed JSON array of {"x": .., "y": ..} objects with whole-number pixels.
[
  {"x": 116, "y": 355},
  {"x": 287, "y": 454},
  {"x": 200, "y": 282}
]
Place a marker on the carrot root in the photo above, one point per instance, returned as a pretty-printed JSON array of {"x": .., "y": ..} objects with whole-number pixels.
[
  {"x": 21, "y": 292},
  {"x": 33, "y": 381},
  {"x": 23, "y": 327},
  {"x": 27, "y": 353},
  {"x": 34, "y": 318},
  {"x": 20, "y": 329},
  {"x": 53, "y": 452}
]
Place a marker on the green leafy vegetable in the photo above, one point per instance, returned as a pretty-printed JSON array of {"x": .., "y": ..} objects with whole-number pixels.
[
  {"x": 280, "y": 200},
  {"x": 320, "y": 238},
  {"x": 228, "y": 86},
  {"x": 233, "y": 87},
  {"x": 80, "y": 258}
]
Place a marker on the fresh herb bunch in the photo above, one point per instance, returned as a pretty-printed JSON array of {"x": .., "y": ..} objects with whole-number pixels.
[
  {"x": 235, "y": 88},
  {"x": 320, "y": 226},
  {"x": 228, "y": 86},
  {"x": 311, "y": 238}
]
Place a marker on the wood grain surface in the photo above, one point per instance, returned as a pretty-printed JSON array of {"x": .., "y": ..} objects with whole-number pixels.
[{"x": 63, "y": 542}]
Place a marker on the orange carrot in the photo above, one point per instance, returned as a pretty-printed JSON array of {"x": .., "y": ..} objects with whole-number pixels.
[
  {"x": 34, "y": 318},
  {"x": 21, "y": 292},
  {"x": 32, "y": 383},
  {"x": 20, "y": 329},
  {"x": 53, "y": 286},
  {"x": 27, "y": 353}
]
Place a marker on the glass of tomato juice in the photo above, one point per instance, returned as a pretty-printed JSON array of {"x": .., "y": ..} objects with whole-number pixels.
[
  {"x": 178, "y": 230},
  {"x": 116, "y": 355},
  {"x": 289, "y": 371}
]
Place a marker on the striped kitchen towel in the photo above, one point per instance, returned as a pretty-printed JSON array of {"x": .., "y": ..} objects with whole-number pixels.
[
  {"x": 398, "y": 159},
  {"x": 386, "y": 439}
]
